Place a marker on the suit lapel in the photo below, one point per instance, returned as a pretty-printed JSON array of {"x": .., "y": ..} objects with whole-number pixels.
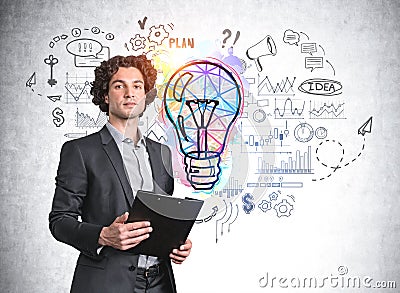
[
  {"x": 155, "y": 159},
  {"x": 112, "y": 151}
]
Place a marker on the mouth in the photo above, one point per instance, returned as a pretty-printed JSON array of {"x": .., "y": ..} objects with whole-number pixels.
[{"x": 130, "y": 104}]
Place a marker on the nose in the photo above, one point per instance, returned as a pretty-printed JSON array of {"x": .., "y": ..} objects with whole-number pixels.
[{"x": 129, "y": 92}]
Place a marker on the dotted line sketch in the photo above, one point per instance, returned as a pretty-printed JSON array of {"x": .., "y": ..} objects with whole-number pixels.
[
  {"x": 208, "y": 218},
  {"x": 365, "y": 128},
  {"x": 56, "y": 39}
]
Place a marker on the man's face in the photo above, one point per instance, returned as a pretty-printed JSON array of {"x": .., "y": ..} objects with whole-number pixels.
[{"x": 126, "y": 96}]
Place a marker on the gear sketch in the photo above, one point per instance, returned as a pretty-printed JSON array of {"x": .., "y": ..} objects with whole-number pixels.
[
  {"x": 265, "y": 205},
  {"x": 138, "y": 42},
  {"x": 158, "y": 34},
  {"x": 284, "y": 208}
]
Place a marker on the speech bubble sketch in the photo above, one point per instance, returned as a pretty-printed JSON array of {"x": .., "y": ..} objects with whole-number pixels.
[
  {"x": 92, "y": 61},
  {"x": 309, "y": 48},
  {"x": 84, "y": 47},
  {"x": 291, "y": 37},
  {"x": 314, "y": 62}
]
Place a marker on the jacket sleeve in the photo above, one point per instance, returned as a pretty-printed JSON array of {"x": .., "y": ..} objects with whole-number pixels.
[{"x": 69, "y": 197}]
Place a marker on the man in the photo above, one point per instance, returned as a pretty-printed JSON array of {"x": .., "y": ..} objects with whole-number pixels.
[{"x": 97, "y": 179}]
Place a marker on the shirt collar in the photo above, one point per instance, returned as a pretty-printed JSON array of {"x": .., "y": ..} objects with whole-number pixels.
[{"x": 120, "y": 137}]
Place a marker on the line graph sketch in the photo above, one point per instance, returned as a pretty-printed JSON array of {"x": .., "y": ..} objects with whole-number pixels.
[
  {"x": 289, "y": 108},
  {"x": 266, "y": 87},
  {"x": 85, "y": 120},
  {"x": 326, "y": 110},
  {"x": 77, "y": 89},
  {"x": 155, "y": 131}
]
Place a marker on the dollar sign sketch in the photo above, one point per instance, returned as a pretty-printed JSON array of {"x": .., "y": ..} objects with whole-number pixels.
[
  {"x": 248, "y": 204},
  {"x": 58, "y": 117}
]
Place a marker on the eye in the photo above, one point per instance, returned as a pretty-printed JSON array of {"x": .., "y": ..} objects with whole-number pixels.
[
  {"x": 119, "y": 86},
  {"x": 137, "y": 87}
]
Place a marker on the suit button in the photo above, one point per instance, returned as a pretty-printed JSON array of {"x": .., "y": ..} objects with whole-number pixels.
[{"x": 132, "y": 268}]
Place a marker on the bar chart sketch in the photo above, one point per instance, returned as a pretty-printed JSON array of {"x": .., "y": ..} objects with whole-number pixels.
[
  {"x": 299, "y": 163},
  {"x": 231, "y": 189}
]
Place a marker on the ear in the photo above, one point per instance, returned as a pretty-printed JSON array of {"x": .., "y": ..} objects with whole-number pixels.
[{"x": 106, "y": 99}]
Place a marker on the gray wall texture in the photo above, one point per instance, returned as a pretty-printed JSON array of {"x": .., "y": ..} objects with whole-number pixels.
[{"x": 350, "y": 222}]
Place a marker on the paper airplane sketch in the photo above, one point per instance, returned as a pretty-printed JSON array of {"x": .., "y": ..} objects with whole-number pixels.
[
  {"x": 31, "y": 81},
  {"x": 54, "y": 98},
  {"x": 366, "y": 127}
]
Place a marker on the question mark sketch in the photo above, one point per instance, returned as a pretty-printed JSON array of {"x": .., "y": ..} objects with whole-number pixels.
[{"x": 228, "y": 31}]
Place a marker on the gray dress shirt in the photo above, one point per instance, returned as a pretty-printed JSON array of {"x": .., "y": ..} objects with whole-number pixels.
[{"x": 138, "y": 170}]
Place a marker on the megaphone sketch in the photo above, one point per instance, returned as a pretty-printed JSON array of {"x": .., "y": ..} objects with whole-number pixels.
[{"x": 263, "y": 48}]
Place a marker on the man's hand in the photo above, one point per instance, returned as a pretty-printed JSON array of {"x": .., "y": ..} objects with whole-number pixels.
[
  {"x": 124, "y": 236},
  {"x": 179, "y": 255}
]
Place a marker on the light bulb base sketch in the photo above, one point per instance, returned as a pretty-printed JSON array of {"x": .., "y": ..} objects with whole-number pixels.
[
  {"x": 202, "y": 100},
  {"x": 202, "y": 169},
  {"x": 263, "y": 48}
]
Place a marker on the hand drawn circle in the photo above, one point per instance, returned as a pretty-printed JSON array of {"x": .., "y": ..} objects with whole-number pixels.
[
  {"x": 303, "y": 132},
  {"x": 95, "y": 30},
  {"x": 321, "y": 132},
  {"x": 109, "y": 36},
  {"x": 76, "y": 32},
  {"x": 259, "y": 115}
]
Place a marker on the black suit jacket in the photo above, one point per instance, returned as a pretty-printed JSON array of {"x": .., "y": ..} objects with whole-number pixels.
[{"x": 92, "y": 189}]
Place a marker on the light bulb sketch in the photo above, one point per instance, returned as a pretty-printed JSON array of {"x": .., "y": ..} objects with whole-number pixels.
[{"x": 202, "y": 99}]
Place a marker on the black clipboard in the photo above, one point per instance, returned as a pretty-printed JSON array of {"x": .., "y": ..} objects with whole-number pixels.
[{"x": 171, "y": 219}]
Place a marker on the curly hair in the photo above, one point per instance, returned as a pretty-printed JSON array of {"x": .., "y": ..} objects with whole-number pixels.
[{"x": 107, "y": 69}]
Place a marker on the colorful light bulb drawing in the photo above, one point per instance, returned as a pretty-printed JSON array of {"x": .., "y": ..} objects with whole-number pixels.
[{"x": 202, "y": 99}]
